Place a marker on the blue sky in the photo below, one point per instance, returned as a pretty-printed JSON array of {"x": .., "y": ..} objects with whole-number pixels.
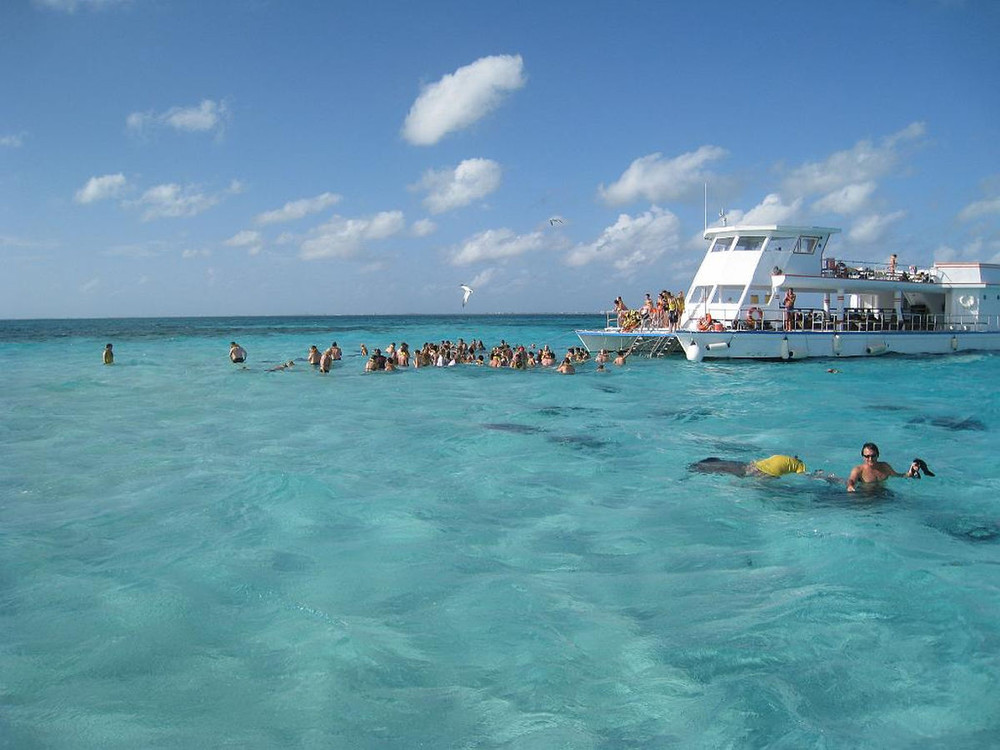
[{"x": 181, "y": 157}]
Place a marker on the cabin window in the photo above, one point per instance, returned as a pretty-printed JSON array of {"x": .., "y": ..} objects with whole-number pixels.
[
  {"x": 721, "y": 244},
  {"x": 806, "y": 245},
  {"x": 696, "y": 295},
  {"x": 749, "y": 243},
  {"x": 727, "y": 294}
]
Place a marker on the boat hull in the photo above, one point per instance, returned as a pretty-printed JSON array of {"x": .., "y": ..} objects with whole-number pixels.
[
  {"x": 653, "y": 342},
  {"x": 789, "y": 345}
]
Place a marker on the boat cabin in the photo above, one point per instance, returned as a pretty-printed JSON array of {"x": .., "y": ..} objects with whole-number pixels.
[{"x": 746, "y": 271}]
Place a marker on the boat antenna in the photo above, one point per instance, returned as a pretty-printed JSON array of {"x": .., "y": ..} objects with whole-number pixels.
[
  {"x": 722, "y": 215},
  {"x": 706, "y": 205}
]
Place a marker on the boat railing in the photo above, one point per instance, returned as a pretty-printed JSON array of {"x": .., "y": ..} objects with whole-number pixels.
[
  {"x": 861, "y": 269},
  {"x": 637, "y": 322},
  {"x": 854, "y": 319}
]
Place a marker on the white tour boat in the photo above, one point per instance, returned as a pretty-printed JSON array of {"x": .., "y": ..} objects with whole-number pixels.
[
  {"x": 842, "y": 308},
  {"x": 632, "y": 334}
]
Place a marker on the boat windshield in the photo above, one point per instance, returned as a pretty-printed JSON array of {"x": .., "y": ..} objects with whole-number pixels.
[
  {"x": 749, "y": 243},
  {"x": 806, "y": 245},
  {"x": 720, "y": 244}
]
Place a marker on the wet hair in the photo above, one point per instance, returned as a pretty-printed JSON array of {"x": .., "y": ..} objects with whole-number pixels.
[{"x": 869, "y": 447}]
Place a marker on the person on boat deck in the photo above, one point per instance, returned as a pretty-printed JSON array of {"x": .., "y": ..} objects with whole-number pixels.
[
  {"x": 789, "y": 305},
  {"x": 892, "y": 265},
  {"x": 620, "y": 309},
  {"x": 873, "y": 470}
]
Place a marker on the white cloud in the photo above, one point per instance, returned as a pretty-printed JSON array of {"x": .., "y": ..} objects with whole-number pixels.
[
  {"x": 461, "y": 98},
  {"x": 632, "y": 242},
  {"x": 251, "y": 240},
  {"x": 208, "y": 116},
  {"x": 849, "y": 199},
  {"x": 495, "y": 244},
  {"x": 244, "y": 238},
  {"x": 482, "y": 278},
  {"x": 91, "y": 286},
  {"x": 423, "y": 227},
  {"x": 298, "y": 209},
  {"x": 657, "y": 179},
  {"x": 193, "y": 253},
  {"x": 136, "y": 250},
  {"x": 174, "y": 201},
  {"x": 863, "y": 163},
  {"x": 101, "y": 188},
  {"x": 980, "y": 208},
  {"x": 771, "y": 210},
  {"x": 453, "y": 188},
  {"x": 12, "y": 141},
  {"x": 345, "y": 238},
  {"x": 870, "y": 230}
]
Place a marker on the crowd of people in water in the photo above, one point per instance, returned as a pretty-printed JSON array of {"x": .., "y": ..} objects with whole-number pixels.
[
  {"x": 518, "y": 357},
  {"x": 447, "y": 354}
]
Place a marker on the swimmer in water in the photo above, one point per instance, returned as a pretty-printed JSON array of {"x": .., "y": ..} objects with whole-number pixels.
[
  {"x": 875, "y": 471},
  {"x": 772, "y": 466}
]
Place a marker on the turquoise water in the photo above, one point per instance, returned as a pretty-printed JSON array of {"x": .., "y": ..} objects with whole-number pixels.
[{"x": 195, "y": 555}]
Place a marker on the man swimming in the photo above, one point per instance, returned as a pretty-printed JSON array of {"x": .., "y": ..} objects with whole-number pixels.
[
  {"x": 874, "y": 471},
  {"x": 772, "y": 466}
]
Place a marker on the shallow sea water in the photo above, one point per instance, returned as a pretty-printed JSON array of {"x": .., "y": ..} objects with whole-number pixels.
[{"x": 197, "y": 555}]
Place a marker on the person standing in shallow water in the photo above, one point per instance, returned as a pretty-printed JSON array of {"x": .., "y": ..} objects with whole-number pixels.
[
  {"x": 237, "y": 353},
  {"x": 109, "y": 355},
  {"x": 875, "y": 471}
]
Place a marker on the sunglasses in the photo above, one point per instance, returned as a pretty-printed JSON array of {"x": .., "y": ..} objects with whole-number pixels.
[{"x": 869, "y": 455}]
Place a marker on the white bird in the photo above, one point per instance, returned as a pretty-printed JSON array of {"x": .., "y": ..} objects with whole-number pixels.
[{"x": 468, "y": 293}]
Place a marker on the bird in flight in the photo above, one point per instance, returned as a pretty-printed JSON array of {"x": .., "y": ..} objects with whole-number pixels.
[
  {"x": 555, "y": 220},
  {"x": 467, "y": 293}
]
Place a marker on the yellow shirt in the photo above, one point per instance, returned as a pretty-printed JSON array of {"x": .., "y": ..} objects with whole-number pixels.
[{"x": 775, "y": 466}]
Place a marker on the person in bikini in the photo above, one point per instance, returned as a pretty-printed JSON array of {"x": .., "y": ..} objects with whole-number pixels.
[{"x": 873, "y": 470}]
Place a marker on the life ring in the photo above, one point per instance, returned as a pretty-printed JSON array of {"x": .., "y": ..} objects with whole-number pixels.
[
  {"x": 705, "y": 322},
  {"x": 755, "y": 316},
  {"x": 967, "y": 301}
]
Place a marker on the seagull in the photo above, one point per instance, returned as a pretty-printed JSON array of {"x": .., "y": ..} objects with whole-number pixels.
[{"x": 468, "y": 293}]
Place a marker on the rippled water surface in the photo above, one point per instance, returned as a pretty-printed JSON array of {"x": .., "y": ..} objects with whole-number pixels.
[{"x": 198, "y": 555}]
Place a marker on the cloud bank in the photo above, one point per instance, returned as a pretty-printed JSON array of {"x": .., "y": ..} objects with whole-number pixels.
[
  {"x": 462, "y": 98},
  {"x": 453, "y": 188},
  {"x": 496, "y": 244},
  {"x": 101, "y": 188},
  {"x": 205, "y": 117},
  {"x": 298, "y": 209},
  {"x": 654, "y": 178},
  {"x": 631, "y": 242},
  {"x": 346, "y": 238},
  {"x": 172, "y": 201}
]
